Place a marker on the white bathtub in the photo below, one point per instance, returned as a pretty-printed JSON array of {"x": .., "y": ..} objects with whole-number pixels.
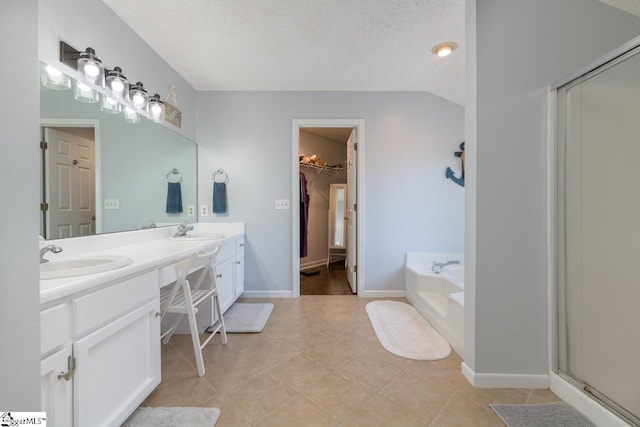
[{"x": 438, "y": 297}]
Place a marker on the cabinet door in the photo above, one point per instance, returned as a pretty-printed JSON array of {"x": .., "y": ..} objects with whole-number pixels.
[
  {"x": 118, "y": 366},
  {"x": 56, "y": 393},
  {"x": 224, "y": 282}
]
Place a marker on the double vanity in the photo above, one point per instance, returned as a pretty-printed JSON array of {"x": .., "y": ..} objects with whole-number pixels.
[{"x": 100, "y": 331}]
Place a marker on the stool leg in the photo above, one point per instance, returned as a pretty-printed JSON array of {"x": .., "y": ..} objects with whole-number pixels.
[
  {"x": 223, "y": 330},
  {"x": 193, "y": 326}
]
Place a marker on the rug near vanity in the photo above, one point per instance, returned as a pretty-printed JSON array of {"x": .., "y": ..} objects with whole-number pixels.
[{"x": 173, "y": 417}]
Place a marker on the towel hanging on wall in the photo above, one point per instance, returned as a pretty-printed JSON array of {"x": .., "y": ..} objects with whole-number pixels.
[
  {"x": 220, "y": 192},
  {"x": 174, "y": 193}
]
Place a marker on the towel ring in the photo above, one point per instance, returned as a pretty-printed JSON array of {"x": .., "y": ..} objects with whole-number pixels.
[
  {"x": 173, "y": 172},
  {"x": 220, "y": 172}
]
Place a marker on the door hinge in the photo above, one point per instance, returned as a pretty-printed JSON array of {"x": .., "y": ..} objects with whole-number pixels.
[
  {"x": 355, "y": 268},
  {"x": 71, "y": 369},
  {"x": 44, "y": 145},
  {"x": 44, "y": 207},
  {"x": 355, "y": 207},
  {"x": 355, "y": 146}
]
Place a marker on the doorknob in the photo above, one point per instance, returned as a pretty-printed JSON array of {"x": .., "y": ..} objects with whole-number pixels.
[{"x": 75, "y": 162}]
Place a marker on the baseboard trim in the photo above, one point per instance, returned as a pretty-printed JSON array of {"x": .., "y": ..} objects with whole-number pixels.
[
  {"x": 267, "y": 294},
  {"x": 589, "y": 407},
  {"x": 504, "y": 380},
  {"x": 313, "y": 264},
  {"x": 381, "y": 294}
]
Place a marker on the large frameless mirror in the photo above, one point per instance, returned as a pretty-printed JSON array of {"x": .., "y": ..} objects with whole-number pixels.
[{"x": 101, "y": 173}]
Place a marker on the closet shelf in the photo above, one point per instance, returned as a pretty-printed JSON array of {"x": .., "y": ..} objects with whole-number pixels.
[{"x": 322, "y": 168}]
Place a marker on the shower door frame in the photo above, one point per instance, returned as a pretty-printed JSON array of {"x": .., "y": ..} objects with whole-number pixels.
[{"x": 562, "y": 384}]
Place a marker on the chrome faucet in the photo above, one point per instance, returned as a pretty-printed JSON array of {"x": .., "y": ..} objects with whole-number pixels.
[
  {"x": 182, "y": 229},
  {"x": 437, "y": 267},
  {"x": 49, "y": 248}
]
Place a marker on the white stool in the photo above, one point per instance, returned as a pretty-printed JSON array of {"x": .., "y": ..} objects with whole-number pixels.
[{"x": 186, "y": 302}]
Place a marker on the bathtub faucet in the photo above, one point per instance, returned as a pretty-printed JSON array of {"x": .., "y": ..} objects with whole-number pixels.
[{"x": 437, "y": 267}]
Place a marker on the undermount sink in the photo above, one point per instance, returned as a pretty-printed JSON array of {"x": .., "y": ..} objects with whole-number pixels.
[
  {"x": 199, "y": 236},
  {"x": 79, "y": 266}
]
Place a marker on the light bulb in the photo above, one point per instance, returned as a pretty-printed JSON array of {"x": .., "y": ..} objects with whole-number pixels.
[
  {"x": 156, "y": 109},
  {"x": 117, "y": 86},
  {"x": 83, "y": 87},
  {"x": 91, "y": 70},
  {"x": 444, "y": 51},
  {"x": 138, "y": 99}
]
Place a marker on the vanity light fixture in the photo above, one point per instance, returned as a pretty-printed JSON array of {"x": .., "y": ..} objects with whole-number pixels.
[
  {"x": 90, "y": 68},
  {"x": 444, "y": 49},
  {"x": 138, "y": 97},
  {"x": 84, "y": 93},
  {"x": 53, "y": 78},
  {"x": 116, "y": 84},
  {"x": 156, "y": 109}
]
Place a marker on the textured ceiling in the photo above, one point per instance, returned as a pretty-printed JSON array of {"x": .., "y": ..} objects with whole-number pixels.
[
  {"x": 629, "y": 6},
  {"x": 277, "y": 45}
]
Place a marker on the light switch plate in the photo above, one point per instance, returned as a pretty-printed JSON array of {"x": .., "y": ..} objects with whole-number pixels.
[
  {"x": 204, "y": 210},
  {"x": 282, "y": 204},
  {"x": 111, "y": 203}
]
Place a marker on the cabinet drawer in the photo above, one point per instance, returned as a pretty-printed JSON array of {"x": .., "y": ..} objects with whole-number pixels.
[
  {"x": 55, "y": 327},
  {"x": 240, "y": 247},
  {"x": 228, "y": 250},
  {"x": 99, "y": 307}
]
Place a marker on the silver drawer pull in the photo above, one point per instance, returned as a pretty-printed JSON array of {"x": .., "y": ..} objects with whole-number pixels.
[
  {"x": 219, "y": 276},
  {"x": 71, "y": 365},
  {"x": 237, "y": 262}
]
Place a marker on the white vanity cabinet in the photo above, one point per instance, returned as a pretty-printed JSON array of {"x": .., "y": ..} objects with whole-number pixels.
[{"x": 101, "y": 353}]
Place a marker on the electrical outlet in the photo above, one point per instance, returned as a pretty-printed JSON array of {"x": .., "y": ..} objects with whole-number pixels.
[
  {"x": 204, "y": 210},
  {"x": 282, "y": 204},
  {"x": 111, "y": 204},
  {"x": 191, "y": 210}
]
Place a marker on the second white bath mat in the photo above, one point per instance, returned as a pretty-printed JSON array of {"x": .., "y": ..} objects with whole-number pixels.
[
  {"x": 404, "y": 332},
  {"x": 244, "y": 317}
]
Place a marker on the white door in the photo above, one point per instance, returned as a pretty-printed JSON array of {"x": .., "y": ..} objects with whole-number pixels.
[
  {"x": 351, "y": 210},
  {"x": 70, "y": 184}
]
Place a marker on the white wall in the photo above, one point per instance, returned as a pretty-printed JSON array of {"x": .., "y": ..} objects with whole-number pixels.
[
  {"x": 521, "y": 48},
  {"x": 19, "y": 136},
  {"x": 318, "y": 182},
  {"x": 91, "y": 23},
  {"x": 409, "y": 205}
]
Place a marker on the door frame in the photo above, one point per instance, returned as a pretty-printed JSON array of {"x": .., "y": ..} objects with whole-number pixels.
[
  {"x": 297, "y": 125},
  {"x": 81, "y": 123}
]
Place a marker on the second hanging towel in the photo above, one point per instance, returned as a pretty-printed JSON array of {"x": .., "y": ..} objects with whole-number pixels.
[{"x": 219, "y": 197}]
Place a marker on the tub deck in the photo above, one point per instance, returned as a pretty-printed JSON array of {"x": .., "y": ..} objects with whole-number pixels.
[{"x": 438, "y": 297}]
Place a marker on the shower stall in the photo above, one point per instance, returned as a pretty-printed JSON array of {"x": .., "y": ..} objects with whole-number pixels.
[{"x": 597, "y": 232}]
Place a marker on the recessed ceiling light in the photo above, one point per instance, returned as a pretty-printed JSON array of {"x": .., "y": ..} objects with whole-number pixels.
[{"x": 444, "y": 49}]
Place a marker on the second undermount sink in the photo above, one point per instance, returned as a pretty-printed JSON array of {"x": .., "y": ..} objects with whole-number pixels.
[
  {"x": 79, "y": 266},
  {"x": 196, "y": 235}
]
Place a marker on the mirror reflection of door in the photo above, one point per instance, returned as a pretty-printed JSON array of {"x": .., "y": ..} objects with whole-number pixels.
[
  {"x": 337, "y": 230},
  {"x": 69, "y": 189}
]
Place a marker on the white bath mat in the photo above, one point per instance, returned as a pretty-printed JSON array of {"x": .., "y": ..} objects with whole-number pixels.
[
  {"x": 556, "y": 414},
  {"x": 242, "y": 318},
  {"x": 173, "y": 417},
  {"x": 404, "y": 332}
]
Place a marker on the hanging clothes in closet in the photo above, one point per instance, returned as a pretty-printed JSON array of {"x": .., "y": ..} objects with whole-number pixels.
[{"x": 304, "y": 215}]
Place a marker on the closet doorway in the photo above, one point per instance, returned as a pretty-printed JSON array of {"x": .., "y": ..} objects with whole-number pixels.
[{"x": 327, "y": 186}]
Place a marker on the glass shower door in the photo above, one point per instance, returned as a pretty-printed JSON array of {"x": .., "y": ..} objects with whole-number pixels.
[{"x": 599, "y": 234}]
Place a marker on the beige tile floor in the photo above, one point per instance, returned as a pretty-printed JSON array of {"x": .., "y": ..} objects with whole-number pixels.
[{"x": 319, "y": 363}]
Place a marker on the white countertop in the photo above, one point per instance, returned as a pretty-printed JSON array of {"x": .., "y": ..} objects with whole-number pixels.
[{"x": 149, "y": 250}]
